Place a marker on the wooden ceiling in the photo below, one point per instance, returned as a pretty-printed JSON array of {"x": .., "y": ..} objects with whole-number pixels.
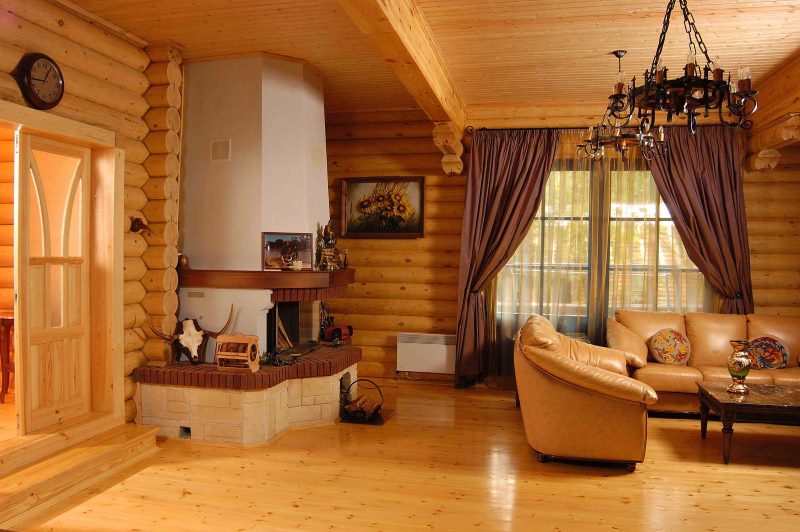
[{"x": 503, "y": 56}]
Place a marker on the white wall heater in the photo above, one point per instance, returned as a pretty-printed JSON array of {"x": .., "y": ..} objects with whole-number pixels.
[{"x": 426, "y": 353}]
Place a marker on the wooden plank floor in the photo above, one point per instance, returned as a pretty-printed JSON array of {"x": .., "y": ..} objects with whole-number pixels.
[{"x": 451, "y": 460}]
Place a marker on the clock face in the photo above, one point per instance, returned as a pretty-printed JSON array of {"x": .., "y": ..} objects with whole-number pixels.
[
  {"x": 46, "y": 82},
  {"x": 40, "y": 80}
]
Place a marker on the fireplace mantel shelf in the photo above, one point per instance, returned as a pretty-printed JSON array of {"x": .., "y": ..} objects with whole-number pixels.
[{"x": 305, "y": 285}]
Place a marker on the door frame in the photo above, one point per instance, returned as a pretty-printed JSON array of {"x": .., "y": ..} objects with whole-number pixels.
[{"x": 106, "y": 282}]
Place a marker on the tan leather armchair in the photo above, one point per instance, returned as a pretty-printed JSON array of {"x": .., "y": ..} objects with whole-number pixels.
[{"x": 577, "y": 400}]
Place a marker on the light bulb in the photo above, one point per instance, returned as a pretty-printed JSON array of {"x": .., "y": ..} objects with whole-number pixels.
[
  {"x": 744, "y": 84},
  {"x": 691, "y": 61},
  {"x": 744, "y": 73},
  {"x": 619, "y": 85},
  {"x": 716, "y": 64},
  {"x": 660, "y": 71}
]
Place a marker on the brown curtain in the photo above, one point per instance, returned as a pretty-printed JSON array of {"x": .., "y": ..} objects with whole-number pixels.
[
  {"x": 507, "y": 173},
  {"x": 700, "y": 180}
]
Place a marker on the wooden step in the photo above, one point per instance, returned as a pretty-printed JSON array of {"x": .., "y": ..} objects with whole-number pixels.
[{"x": 28, "y": 492}]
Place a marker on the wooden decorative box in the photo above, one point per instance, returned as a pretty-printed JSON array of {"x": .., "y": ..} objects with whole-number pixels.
[{"x": 237, "y": 352}]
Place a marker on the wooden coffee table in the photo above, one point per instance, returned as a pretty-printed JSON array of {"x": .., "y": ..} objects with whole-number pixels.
[{"x": 766, "y": 403}]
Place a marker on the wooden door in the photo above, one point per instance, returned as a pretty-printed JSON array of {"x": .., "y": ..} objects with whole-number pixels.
[{"x": 52, "y": 303}]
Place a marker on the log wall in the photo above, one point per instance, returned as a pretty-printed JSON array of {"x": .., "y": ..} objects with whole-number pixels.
[
  {"x": 772, "y": 199},
  {"x": 401, "y": 284},
  {"x": 6, "y": 220},
  {"x": 113, "y": 84}
]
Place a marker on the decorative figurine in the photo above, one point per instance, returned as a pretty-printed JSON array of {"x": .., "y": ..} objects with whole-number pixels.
[
  {"x": 329, "y": 257},
  {"x": 739, "y": 365}
]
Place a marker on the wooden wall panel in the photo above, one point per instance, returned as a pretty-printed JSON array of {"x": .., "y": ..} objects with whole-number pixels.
[
  {"x": 106, "y": 80},
  {"x": 772, "y": 199},
  {"x": 401, "y": 285}
]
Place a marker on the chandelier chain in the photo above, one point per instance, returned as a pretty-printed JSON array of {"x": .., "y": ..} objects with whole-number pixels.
[
  {"x": 691, "y": 28},
  {"x": 661, "y": 39}
]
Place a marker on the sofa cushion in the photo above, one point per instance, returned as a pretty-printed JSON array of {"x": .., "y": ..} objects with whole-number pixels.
[
  {"x": 784, "y": 328},
  {"x": 665, "y": 378},
  {"x": 646, "y": 324},
  {"x": 620, "y": 337},
  {"x": 785, "y": 376},
  {"x": 539, "y": 332},
  {"x": 767, "y": 352},
  {"x": 720, "y": 374},
  {"x": 710, "y": 336},
  {"x": 669, "y": 346}
]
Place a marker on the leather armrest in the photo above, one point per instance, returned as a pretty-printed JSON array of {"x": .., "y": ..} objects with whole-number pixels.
[
  {"x": 620, "y": 337},
  {"x": 590, "y": 378},
  {"x": 598, "y": 356}
]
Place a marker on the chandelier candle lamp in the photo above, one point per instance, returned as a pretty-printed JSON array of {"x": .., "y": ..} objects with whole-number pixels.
[{"x": 700, "y": 90}]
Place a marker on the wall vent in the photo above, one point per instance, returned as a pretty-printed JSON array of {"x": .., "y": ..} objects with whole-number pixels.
[
  {"x": 426, "y": 353},
  {"x": 221, "y": 150},
  {"x": 196, "y": 294}
]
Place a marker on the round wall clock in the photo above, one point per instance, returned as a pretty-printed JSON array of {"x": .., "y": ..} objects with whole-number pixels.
[{"x": 40, "y": 80}]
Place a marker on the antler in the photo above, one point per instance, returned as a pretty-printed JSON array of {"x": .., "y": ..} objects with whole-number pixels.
[
  {"x": 224, "y": 329},
  {"x": 168, "y": 337}
]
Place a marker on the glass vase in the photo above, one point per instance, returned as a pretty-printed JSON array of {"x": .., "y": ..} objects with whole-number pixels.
[{"x": 739, "y": 365}]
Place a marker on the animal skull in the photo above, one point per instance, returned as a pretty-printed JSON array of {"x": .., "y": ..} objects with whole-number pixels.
[{"x": 191, "y": 340}]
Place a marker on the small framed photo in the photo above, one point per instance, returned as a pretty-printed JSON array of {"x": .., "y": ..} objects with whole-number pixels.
[
  {"x": 383, "y": 207},
  {"x": 282, "y": 251}
]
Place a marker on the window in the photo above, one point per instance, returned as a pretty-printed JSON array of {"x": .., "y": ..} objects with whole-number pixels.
[{"x": 602, "y": 240}]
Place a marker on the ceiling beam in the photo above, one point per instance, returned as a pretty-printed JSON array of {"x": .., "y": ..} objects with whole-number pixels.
[
  {"x": 402, "y": 37},
  {"x": 778, "y": 95}
]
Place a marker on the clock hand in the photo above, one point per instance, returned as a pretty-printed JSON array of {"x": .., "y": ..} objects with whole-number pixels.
[{"x": 37, "y": 79}]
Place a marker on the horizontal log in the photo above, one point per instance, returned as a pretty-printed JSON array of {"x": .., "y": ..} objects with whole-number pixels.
[
  {"x": 414, "y": 164},
  {"x": 157, "y": 349},
  {"x": 166, "y": 141},
  {"x": 783, "y": 132},
  {"x": 371, "y": 117},
  {"x": 385, "y": 130},
  {"x": 82, "y": 85},
  {"x": 135, "y": 175},
  {"x": 410, "y": 323},
  {"x": 128, "y": 387},
  {"x": 774, "y": 297},
  {"x": 766, "y": 226},
  {"x": 163, "y": 165},
  {"x": 163, "y": 324},
  {"x": 130, "y": 214},
  {"x": 443, "y": 226},
  {"x": 134, "y": 268},
  {"x": 163, "y": 52},
  {"x": 766, "y": 208},
  {"x": 780, "y": 174},
  {"x": 130, "y": 411},
  {"x": 160, "y": 303},
  {"x": 134, "y": 245},
  {"x": 404, "y": 307},
  {"x": 433, "y": 194},
  {"x": 133, "y": 360},
  {"x": 762, "y": 160},
  {"x": 407, "y": 274},
  {"x": 162, "y": 234},
  {"x": 6, "y": 235},
  {"x": 161, "y": 257},
  {"x": 438, "y": 292},
  {"x": 6, "y": 192},
  {"x": 429, "y": 243},
  {"x": 774, "y": 261},
  {"x": 381, "y": 146},
  {"x": 777, "y": 311},
  {"x": 135, "y": 198},
  {"x": 164, "y": 73},
  {"x": 135, "y": 150},
  {"x": 77, "y": 29},
  {"x": 159, "y": 211},
  {"x": 160, "y": 280},
  {"x": 779, "y": 191},
  {"x": 163, "y": 118},
  {"x": 429, "y": 259},
  {"x": 375, "y": 338},
  {"x": 7, "y": 154},
  {"x": 6, "y": 214},
  {"x": 776, "y": 279},
  {"x": 775, "y": 243},
  {"x": 158, "y": 188},
  {"x": 134, "y": 292},
  {"x": 376, "y": 369},
  {"x": 82, "y": 111},
  {"x": 134, "y": 316},
  {"x": 31, "y": 37},
  {"x": 387, "y": 355},
  {"x": 134, "y": 340},
  {"x": 163, "y": 96}
]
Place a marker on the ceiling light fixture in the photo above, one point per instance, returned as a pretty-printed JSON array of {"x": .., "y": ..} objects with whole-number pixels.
[{"x": 698, "y": 91}]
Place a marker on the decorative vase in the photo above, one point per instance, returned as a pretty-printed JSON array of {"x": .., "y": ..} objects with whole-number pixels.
[{"x": 739, "y": 364}]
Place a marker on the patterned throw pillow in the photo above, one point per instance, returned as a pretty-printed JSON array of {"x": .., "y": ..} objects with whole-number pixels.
[
  {"x": 768, "y": 353},
  {"x": 669, "y": 346}
]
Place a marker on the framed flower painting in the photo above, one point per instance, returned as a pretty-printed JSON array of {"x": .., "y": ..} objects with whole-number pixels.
[{"x": 383, "y": 207}]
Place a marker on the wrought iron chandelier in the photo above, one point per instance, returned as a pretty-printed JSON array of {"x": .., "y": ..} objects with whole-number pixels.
[{"x": 700, "y": 90}]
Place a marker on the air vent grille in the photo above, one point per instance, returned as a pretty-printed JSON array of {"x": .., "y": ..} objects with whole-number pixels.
[{"x": 221, "y": 150}]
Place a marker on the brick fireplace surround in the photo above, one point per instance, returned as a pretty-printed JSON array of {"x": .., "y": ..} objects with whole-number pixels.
[{"x": 201, "y": 402}]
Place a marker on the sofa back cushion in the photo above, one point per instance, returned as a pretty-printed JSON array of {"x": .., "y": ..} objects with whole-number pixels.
[
  {"x": 783, "y": 328},
  {"x": 539, "y": 332},
  {"x": 646, "y": 324},
  {"x": 710, "y": 336}
]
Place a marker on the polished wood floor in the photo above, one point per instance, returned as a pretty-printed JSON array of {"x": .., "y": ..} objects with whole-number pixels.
[
  {"x": 451, "y": 460},
  {"x": 8, "y": 419}
]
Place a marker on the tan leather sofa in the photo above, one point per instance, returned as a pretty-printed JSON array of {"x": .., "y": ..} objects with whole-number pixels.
[
  {"x": 709, "y": 336},
  {"x": 577, "y": 400}
]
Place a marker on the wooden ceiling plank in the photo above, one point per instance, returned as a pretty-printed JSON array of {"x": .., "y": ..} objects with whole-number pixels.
[{"x": 402, "y": 37}]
